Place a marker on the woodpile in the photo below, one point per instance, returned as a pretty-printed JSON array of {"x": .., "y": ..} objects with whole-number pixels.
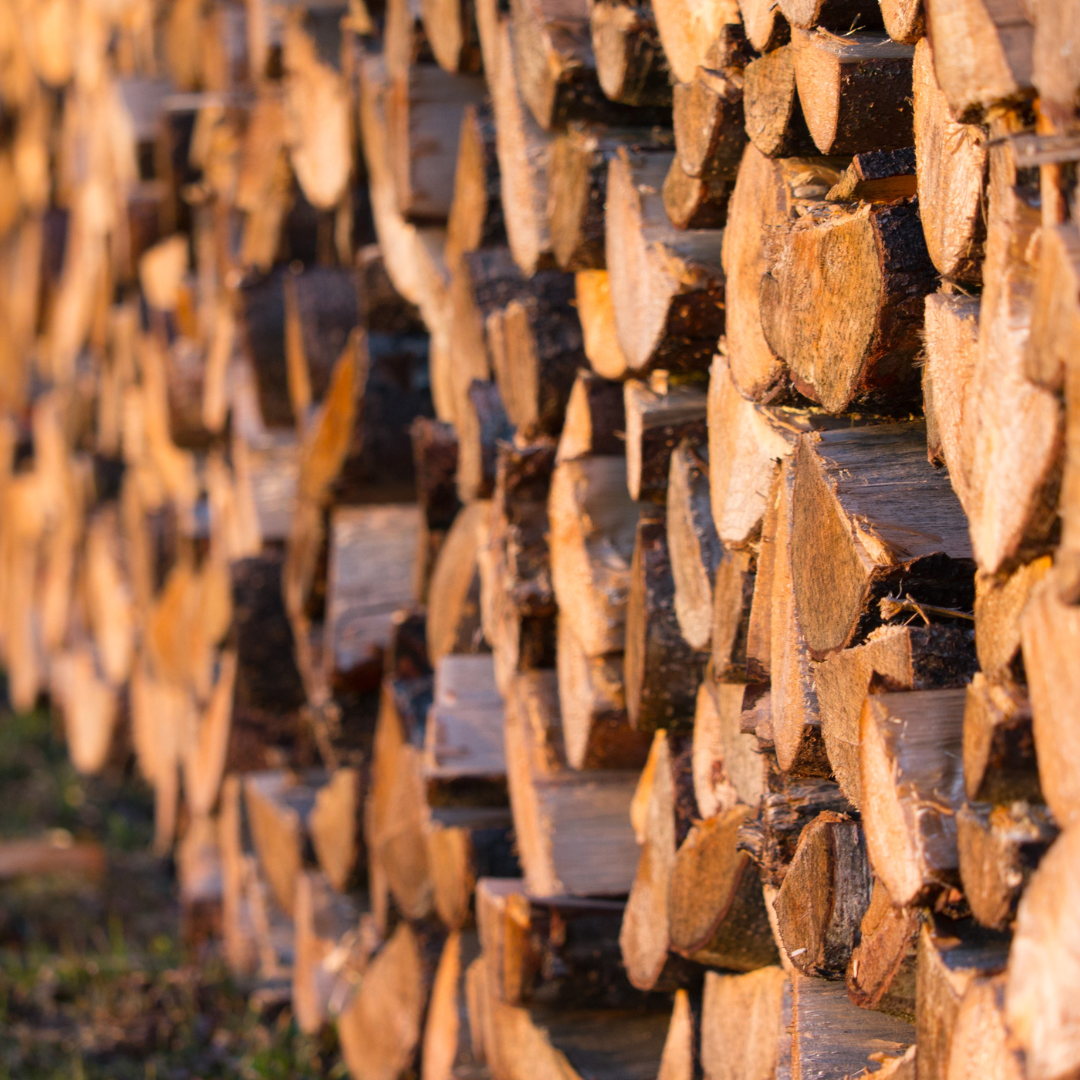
[{"x": 573, "y": 509}]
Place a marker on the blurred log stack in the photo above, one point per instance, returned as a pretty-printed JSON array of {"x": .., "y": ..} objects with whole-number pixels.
[{"x": 575, "y": 511}]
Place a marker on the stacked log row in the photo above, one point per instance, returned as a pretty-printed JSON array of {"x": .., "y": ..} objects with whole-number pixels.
[{"x": 599, "y": 482}]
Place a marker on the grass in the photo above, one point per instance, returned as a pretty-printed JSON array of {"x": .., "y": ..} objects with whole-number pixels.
[{"x": 94, "y": 983}]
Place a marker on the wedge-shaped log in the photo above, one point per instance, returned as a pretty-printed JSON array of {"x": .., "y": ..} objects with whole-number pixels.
[
  {"x": 951, "y": 164},
  {"x": 775, "y": 122},
  {"x": 855, "y": 90},
  {"x": 707, "y": 110},
  {"x": 449, "y": 1044},
  {"x": 982, "y": 1044},
  {"x": 903, "y": 658},
  {"x": 881, "y": 973},
  {"x": 695, "y": 202},
  {"x": 840, "y": 16},
  {"x": 852, "y": 489},
  {"x": 825, "y": 895},
  {"x": 734, "y": 1005},
  {"x": 688, "y": 33},
  {"x": 912, "y": 779},
  {"x": 728, "y": 766},
  {"x": 694, "y": 547},
  {"x": 766, "y": 27},
  {"x": 656, "y": 422},
  {"x": 717, "y": 908},
  {"x": 871, "y": 262},
  {"x": 595, "y": 421},
  {"x": 999, "y": 746},
  {"x": 662, "y": 671},
  {"x": 476, "y": 216},
  {"x": 453, "y": 622},
  {"x": 593, "y": 288},
  {"x": 450, "y": 32},
  {"x": 630, "y": 62},
  {"x": 982, "y": 53},
  {"x": 667, "y": 286},
  {"x": 593, "y": 523}
]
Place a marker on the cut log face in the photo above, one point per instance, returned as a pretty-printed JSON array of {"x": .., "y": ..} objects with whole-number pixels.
[
  {"x": 655, "y": 424},
  {"x": 707, "y": 111},
  {"x": 593, "y": 523},
  {"x": 999, "y": 746},
  {"x": 476, "y": 214},
  {"x": 695, "y": 549},
  {"x": 951, "y": 160},
  {"x": 855, "y": 90},
  {"x": 717, "y": 908},
  {"x": 681, "y": 1059},
  {"x": 881, "y": 974},
  {"x": 595, "y": 422},
  {"x": 695, "y": 202},
  {"x": 849, "y": 487},
  {"x": 335, "y": 826},
  {"x": 1054, "y": 322},
  {"x": 733, "y": 596},
  {"x": 901, "y": 657},
  {"x": 825, "y": 895},
  {"x": 839, "y": 16},
  {"x": 463, "y": 736},
  {"x": 982, "y": 1044},
  {"x": 1050, "y": 630},
  {"x": 1039, "y": 1004},
  {"x": 602, "y": 346},
  {"x": 1000, "y": 847},
  {"x": 453, "y": 622},
  {"x": 689, "y": 33},
  {"x": 774, "y": 116},
  {"x": 736, "y": 1004},
  {"x": 727, "y": 763},
  {"x": 662, "y": 671},
  {"x": 951, "y": 956},
  {"x": 871, "y": 261},
  {"x": 667, "y": 286},
  {"x": 592, "y": 701},
  {"x": 450, "y": 31},
  {"x": 912, "y": 780},
  {"x": 982, "y": 54},
  {"x": 951, "y": 332},
  {"x": 631, "y": 65}
]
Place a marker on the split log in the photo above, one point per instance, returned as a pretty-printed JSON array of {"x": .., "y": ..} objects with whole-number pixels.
[
  {"x": 982, "y": 54},
  {"x": 775, "y": 123},
  {"x": 572, "y": 828},
  {"x": 631, "y": 65},
  {"x": 695, "y": 549},
  {"x": 535, "y": 344},
  {"x": 453, "y": 623},
  {"x": 554, "y": 65},
  {"x": 463, "y": 734},
  {"x": 695, "y": 202},
  {"x": 598, "y": 324},
  {"x": 795, "y": 712},
  {"x": 999, "y": 746},
  {"x": 951, "y": 334},
  {"x": 877, "y": 176},
  {"x": 836, "y": 591},
  {"x": 733, "y": 597},
  {"x": 482, "y": 425},
  {"x": 681, "y": 1059},
  {"x": 595, "y": 423},
  {"x": 855, "y": 90},
  {"x": 592, "y": 702},
  {"x": 717, "y": 908},
  {"x": 559, "y": 950},
  {"x": 688, "y": 34},
  {"x": 904, "y": 20},
  {"x": 667, "y": 288},
  {"x": 1054, "y": 317},
  {"x": 951, "y": 161},
  {"x": 733, "y": 1005},
  {"x": 1050, "y": 630},
  {"x": 825, "y": 896},
  {"x": 448, "y": 1048},
  {"x": 759, "y": 620},
  {"x": 1000, "y": 847},
  {"x": 660, "y": 817},
  {"x": 901, "y": 658},
  {"x": 335, "y": 826},
  {"x": 325, "y": 923},
  {"x": 435, "y": 452},
  {"x": 707, "y": 109},
  {"x": 872, "y": 260},
  {"x": 789, "y": 804},
  {"x": 380, "y": 1028},
  {"x": 910, "y": 756},
  {"x": 881, "y": 974},
  {"x": 278, "y": 806},
  {"x": 464, "y": 844},
  {"x": 450, "y": 32},
  {"x": 1042, "y": 971},
  {"x": 593, "y": 524},
  {"x": 237, "y": 930},
  {"x": 951, "y": 957},
  {"x": 657, "y": 420},
  {"x": 1011, "y": 490},
  {"x": 728, "y": 766},
  {"x": 662, "y": 671},
  {"x": 476, "y": 215},
  {"x": 982, "y": 1044}
]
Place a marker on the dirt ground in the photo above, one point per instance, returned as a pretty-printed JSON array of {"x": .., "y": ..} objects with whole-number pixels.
[{"x": 93, "y": 980}]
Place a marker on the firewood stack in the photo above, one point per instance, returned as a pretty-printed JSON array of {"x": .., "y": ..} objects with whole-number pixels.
[{"x": 574, "y": 510}]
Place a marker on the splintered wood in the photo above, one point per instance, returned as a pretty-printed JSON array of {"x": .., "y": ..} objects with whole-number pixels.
[{"x": 573, "y": 508}]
